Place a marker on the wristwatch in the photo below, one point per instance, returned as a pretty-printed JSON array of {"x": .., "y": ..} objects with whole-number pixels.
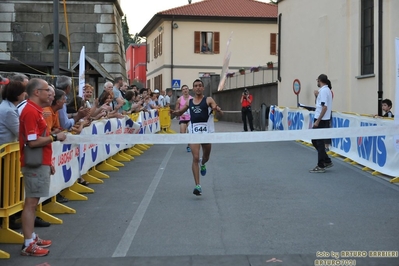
[{"x": 54, "y": 136}]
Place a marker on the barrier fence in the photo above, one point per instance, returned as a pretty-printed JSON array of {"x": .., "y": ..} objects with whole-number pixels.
[
  {"x": 377, "y": 153},
  {"x": 78, "y": 156},
  {"x": 72, "y": 161}
]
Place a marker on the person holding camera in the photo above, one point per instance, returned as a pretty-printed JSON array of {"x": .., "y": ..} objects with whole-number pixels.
[{"x": 246, "y": 110}]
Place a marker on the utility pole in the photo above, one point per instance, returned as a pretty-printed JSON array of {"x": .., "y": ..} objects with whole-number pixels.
[{"x": 56, "y": 38}]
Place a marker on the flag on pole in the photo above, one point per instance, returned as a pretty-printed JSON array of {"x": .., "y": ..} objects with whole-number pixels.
[
  {"x": 396, "y": 118},
  {"x": 225, "y": 68},
  {"x": 82, "y": 71}
]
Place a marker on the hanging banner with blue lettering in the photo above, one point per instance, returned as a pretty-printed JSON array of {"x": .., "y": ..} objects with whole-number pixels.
[{"x": 374, "y": 152}]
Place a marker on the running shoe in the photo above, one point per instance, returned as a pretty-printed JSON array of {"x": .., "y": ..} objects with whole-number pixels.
[
  {"x": 317, "y": 169},
  {"x": 41, "y": 242},
  {"x": 202, "y": 168},
  {"x": 188, "y": 149},
  {"x": 197, "y": 190},
  {"x": 34, "y": 250}
]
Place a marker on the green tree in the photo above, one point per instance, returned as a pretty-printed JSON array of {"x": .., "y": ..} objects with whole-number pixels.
[{"x": 127, "y": 37}]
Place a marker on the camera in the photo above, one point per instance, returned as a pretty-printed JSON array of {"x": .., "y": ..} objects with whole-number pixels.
[{"x": 245, "y": 91}]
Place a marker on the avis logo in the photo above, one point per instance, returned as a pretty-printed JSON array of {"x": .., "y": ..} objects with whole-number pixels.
[
  {"x": 107, "y": 128},
  {"x": 311, "y": 120},
  {"x": 150, "y": 124},
  {"x": 94, "y": 150},
  {"x": 276, "y": 118},
  {"x": 344, "y": 144},
  {"x": 372, "y": 148},
  {"x": 66, "y": 171},
  {"x": 295, "y": 120},
  {"x": 118, "y": 128}
]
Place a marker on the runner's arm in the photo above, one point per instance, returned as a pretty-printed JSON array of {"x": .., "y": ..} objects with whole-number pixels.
[
  {"x": 181, "y": 111},
  {"x": 211, "y": 102}
]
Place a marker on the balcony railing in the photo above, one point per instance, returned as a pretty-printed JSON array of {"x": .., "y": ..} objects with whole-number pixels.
[{"x": 251, "y": 77}]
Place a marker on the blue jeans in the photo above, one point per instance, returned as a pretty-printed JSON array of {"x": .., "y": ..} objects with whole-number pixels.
[{"x": 322, "y": 157}]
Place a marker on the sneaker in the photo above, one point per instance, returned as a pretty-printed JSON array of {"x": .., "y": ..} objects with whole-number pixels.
[
  {"x": 188, "y": 149},
  {"x": 328, "y": 165},
  {"x": 41, "y": 242},
  {"x": 202, "y": 168},
  {"x": 197, "y": 190},
  {"x": 39, "y": 222},
  {"x": 317, "y": 169},
  {"x": 34, "y": 250}
]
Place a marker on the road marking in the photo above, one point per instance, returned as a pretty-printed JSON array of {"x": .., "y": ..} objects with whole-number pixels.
[
  {"x": 127, "y": 238},
  {"x": 274, "y": 260}
]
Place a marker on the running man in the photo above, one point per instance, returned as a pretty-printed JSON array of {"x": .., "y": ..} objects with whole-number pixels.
[
  {"x": 201, "y": 121},
  {"x": 185, "y": 117}
]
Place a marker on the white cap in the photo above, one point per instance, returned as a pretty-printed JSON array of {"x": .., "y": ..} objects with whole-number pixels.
[{"x": 156, "y": 91}]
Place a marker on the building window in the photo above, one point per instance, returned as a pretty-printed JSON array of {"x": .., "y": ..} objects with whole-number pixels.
[
  {"x": 367, "y": 37},
  {"x": 158, "y": 82},
  {"x": 206, "y": 42},
  {"x": 273, "y": 44},
  {"x": 158, "y": 46},
  {"x": 149, "y": 83},
  {"x": 61, "y": 46}
]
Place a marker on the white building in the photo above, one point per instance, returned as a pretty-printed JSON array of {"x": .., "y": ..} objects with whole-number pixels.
[
  {"x": 175, "y": 38},
  {"x": 352, "y": 41}
]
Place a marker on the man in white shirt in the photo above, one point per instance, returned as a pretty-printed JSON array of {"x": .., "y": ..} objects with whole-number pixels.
[
  {"x": 161, "y": 98},
  {"x": 167, "y": 97},
  {"x": 322, "y": 120},
  {"x": 65, "y": 83}
]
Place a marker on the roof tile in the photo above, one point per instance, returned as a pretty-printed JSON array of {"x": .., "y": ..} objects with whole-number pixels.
[{"x": 225, "y": 8}]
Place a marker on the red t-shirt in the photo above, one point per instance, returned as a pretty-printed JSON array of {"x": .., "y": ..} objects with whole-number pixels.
[
  {"x": 245, "y": 102},
  {"x": 31, "y": 127}
]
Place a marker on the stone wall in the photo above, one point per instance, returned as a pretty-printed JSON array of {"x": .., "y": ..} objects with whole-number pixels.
[{"x": 26, "y": 30}]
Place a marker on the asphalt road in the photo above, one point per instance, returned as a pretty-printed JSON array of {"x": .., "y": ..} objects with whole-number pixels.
[{"x": 260, "y": 206}]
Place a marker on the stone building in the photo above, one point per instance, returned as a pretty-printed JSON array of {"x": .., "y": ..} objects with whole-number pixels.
[{"x": 26, "y": 36}]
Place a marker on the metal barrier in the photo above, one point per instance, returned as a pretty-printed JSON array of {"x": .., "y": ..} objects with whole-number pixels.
[
  {"x": 12, "y": 193},
  {"x": 165, "y": 120}
]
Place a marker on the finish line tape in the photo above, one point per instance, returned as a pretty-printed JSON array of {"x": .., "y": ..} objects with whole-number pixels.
[{"x": 234, "y": 137}]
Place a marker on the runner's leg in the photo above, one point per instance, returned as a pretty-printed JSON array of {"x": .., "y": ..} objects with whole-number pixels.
[
  {"x": 206, "y": 152},
  {"x": 195, "y": 151}
]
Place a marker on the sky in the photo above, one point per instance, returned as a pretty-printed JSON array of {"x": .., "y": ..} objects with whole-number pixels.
[{"x": 139, "y": 13}]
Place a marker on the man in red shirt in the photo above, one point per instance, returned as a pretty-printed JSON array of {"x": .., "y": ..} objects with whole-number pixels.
[
  {"x": 33, "y": 132},
  {"x": 246, "y": 110}
]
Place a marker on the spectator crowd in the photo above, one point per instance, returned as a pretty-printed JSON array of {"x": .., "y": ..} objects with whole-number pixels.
[{"x": 68, "y": 112}]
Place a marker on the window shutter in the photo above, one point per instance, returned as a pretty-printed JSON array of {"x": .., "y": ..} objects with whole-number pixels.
[
  {"x": 155, "y": 48},
  {"x": 160, "y": 44},
  {"x": 273, "y": 43},
  {"x": 216, "y": 42},
  {"x": 148, "y": 52},
  {"x": 197, "y": 42},
  {"x": 149, "y": 83}
]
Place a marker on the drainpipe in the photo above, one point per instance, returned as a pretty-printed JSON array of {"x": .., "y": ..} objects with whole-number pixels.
[
  {"x": 380, "y": 54},
  {"x": 171, "y": 54}
]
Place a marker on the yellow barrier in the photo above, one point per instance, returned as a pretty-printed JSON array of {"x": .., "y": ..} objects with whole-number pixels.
[
  {"x": 165, "y": 120},
  {"x": 134, "y": 116},
  {"x": 12, "y": 192}
]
